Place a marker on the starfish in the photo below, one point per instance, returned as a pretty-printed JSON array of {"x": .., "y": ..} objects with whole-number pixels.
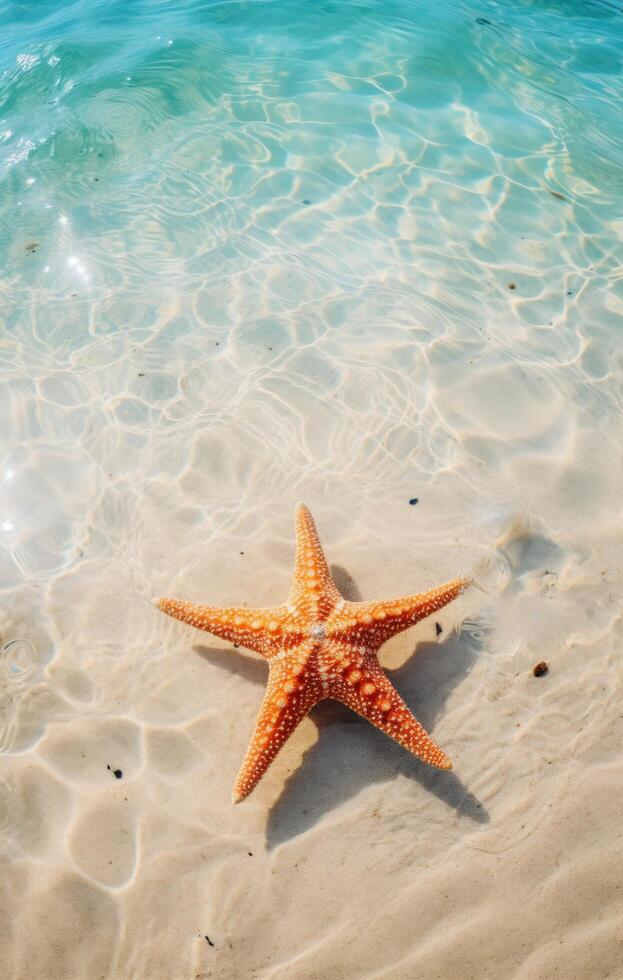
[{"x": 318, "y": 645}]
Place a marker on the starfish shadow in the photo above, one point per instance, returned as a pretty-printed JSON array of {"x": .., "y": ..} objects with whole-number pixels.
[
  {"x": 351, "y": 754},
  {"x": 235, "y": 662},
  {"x": 346, "y": 584}
]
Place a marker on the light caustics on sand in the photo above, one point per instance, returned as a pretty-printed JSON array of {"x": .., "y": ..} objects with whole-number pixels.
[
  {"x": 319, "y": 646},
  {"x": 355, "y": 252}
]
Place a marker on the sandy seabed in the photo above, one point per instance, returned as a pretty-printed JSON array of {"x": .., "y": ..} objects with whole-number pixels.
[
  {"x": 122, "y": 731},
  {"x": 266, "y": 315}
]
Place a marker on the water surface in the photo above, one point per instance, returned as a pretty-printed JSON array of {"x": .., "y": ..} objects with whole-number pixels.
[{"x": 355, "y": 254}]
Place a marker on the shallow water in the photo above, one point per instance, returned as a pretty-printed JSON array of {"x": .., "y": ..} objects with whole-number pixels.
[{"x": 355, "y": 254}]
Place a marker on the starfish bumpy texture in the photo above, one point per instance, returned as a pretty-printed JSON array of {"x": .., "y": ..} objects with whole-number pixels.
[{"x": 319, "y": 645}]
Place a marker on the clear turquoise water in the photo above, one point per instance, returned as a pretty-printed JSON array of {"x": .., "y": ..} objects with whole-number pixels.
[
  {"x": 298, "y": 230},
  {"x": 181, "y": 141},
  {"x": 355, "y": 254}
]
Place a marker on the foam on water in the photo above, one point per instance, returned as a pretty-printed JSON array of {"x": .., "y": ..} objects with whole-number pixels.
[{"x": 354, "y": 253}]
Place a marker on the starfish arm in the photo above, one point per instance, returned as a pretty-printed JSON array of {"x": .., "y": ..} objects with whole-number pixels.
[
  {"x": 378, "y": 621},
  {"x": 257, "y": 629},
  {"x": 366, "y": 690},
  {"x": 287, "y": 700},
  {"x": 311, "y": 572}
]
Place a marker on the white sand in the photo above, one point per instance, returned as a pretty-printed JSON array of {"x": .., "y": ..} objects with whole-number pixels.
[
  {"x": 174, "y": 430},
  {"x": 350, "y": 859}
]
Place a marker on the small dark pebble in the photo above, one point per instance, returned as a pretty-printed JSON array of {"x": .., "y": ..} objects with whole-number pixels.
[
  {"x": 73, "y": 295},
  {"x": 236, "y": 645},
  {"x": 218, "y": 343},
  {"x": 118, "y": 773},
  {"x": 250, "y": 854},
  {"x": 141, "y": 374},
  {"x": 270, "y": 348},
  {"x": 100, "y": 154},
  {"x": 210, "y": 943},
  {"x": 413, "y": 501},
  {"x": 512, "y": 285},
  {"x": 539, "y": 669},
  {"x": 438, "y": 629},
  {"x": 482, "y": 20},
  {"x": 569, "y": 293},
  {"x": 306, "y": 200},
  {"x": 557, "y": 194},
  {"x": 96, "y": 178}
]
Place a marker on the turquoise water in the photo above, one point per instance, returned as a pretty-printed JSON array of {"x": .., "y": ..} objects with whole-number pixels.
[
  {"x": 356, "y": 254},
  {"x": 290, "y": 224},
  {"x": 415, "y": 146}
]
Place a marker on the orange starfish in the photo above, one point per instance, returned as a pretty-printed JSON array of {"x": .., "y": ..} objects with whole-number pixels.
[{"x": 319, "y": 646}]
